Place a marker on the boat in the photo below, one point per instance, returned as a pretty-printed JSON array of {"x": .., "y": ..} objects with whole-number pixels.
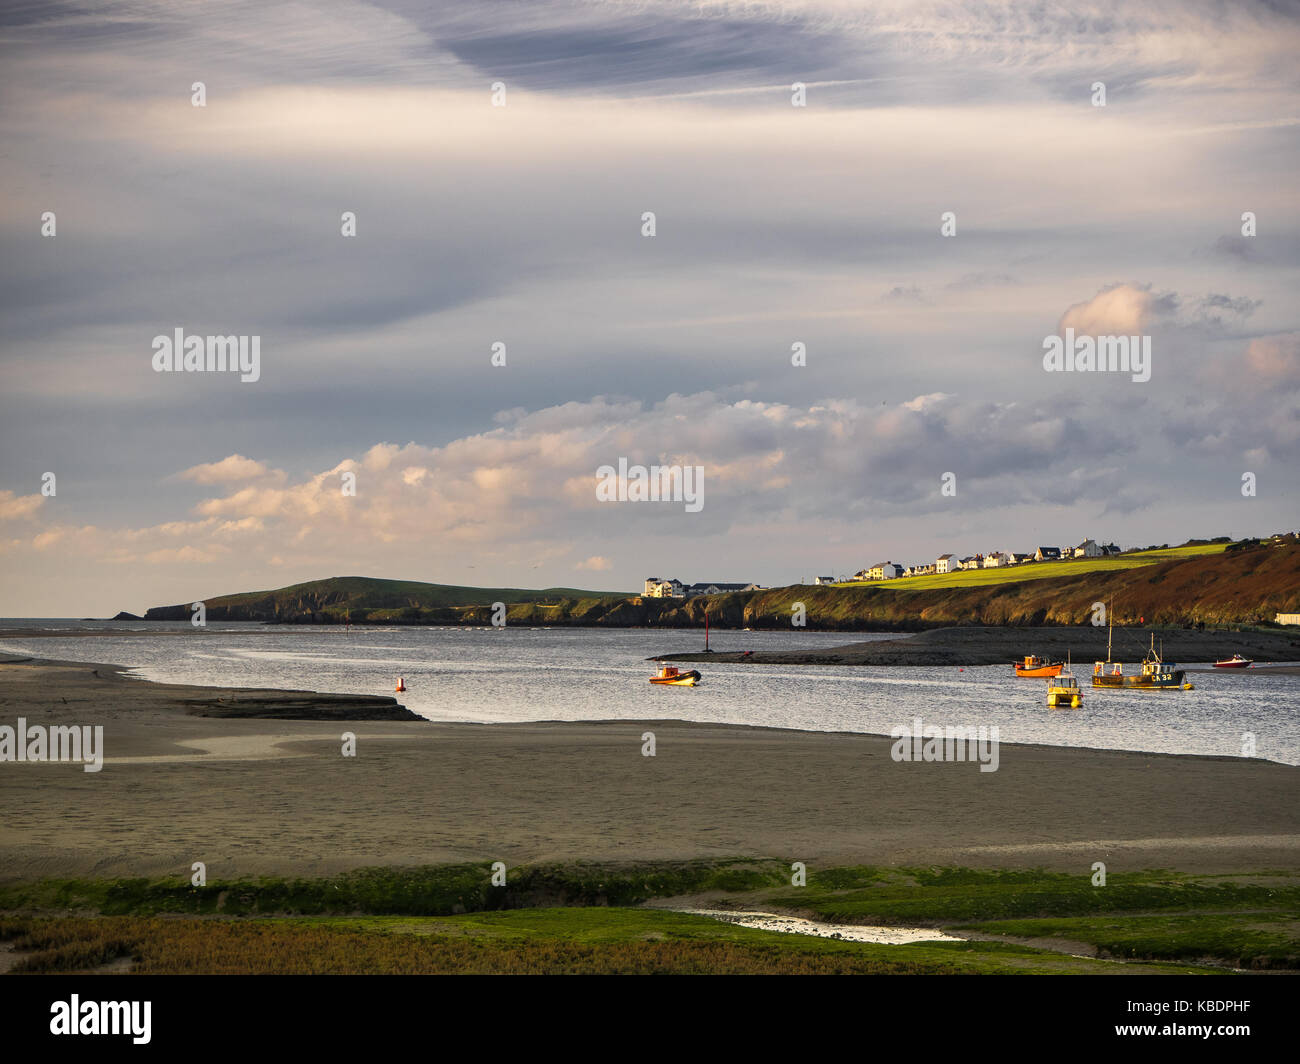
[
  {"x": 1156, "y": 674},
  {"x": 1037, "y": 667},
  {"x": 670, "y": 674},
  {"x": 1237, "y": 661},
  {"x": 1064, "y": 691}
]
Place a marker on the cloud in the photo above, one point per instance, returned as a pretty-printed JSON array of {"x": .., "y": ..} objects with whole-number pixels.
[
  {"x": 905, "y": 294},
  {"x": 1237, "y": 247},
  {"x": 230, "y": 469},
  {"x": 1117, "y": 310},
  {"x": 530, "y": 482},
  {"x": 776, "y": 224},
  {"x": 14, "y": 506},
  {"x": 1275, "y": 360},
  {"x": 1217, "y": 309},
  {"x": 525, "y": 489}
]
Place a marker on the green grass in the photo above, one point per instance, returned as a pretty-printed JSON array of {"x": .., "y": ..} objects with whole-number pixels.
[
  {"x": 949, "y": 895},
  {"x": 1169, "y": 553},
  {"x": 553, "y": 941},
  {"x": 426, "y": 890},
  {"x": 1238, "y": 921},
  {"x": 1246, "y": 940},
  {"x": 1037, "y": 570}
]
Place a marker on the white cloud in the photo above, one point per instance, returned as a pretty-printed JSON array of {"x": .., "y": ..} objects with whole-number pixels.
[
  {"x": 1119, "y": 310},
  {"x": 231, "y": 469}
]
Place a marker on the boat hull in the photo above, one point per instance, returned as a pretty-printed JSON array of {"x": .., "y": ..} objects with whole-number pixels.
[
  {"x": 670, "y": 677},
  {"x": 1042, "y": 672},
  {"x": 1233, "y": 664},
  {"x": 1168, "y": 681}
]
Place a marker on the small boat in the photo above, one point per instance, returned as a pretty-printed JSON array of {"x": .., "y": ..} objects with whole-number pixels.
[
  {"x": 670, "y": 674},
  {"x": 1237, "y": 661},
  {"x": 1064, "y": 691},
  {"x": 1037, "y": 667}
]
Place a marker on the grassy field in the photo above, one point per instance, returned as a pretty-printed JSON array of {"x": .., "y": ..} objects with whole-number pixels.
[
  {"x": 532, "y": 942},
  {"x": 583, "y": 918},
  {"x": 1038, "y": 570},
  {"x": 1164, "y": 554}
]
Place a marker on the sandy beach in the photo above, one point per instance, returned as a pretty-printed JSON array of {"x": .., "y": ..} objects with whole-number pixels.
[{"x": 252, "y": 796}]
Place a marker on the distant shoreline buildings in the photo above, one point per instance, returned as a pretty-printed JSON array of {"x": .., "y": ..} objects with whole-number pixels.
[
  {"x": 656, "y": 588},
  {"x": 888, "y": 570},
  {"x": 996, "y": 559},
  {"x": 944, "y": 564}
]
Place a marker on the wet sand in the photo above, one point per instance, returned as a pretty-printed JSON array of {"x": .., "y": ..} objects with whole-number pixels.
[{"x": 253, "y": 796}]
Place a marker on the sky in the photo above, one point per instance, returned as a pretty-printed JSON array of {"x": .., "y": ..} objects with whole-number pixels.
[{"x": 499, "y": 159}]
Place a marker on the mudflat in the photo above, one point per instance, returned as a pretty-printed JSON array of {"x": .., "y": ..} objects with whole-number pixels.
[{"x": 251, "y": 796}]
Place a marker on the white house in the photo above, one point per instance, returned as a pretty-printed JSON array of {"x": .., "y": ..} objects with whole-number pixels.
[
  {"x": 1047, "y": 554},
  {"x": 1087, "y": 549},
  {"x": 823, "y": 580},
  {"x": 656, "y": 588},
  {"x": 972, "y": 562},
  {"x": 946, "y": 563},
  {"x": 995, "y": 559},
  {"x": 885, "y": 571}
]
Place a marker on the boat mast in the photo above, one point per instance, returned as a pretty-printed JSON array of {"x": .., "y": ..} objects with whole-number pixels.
[
  {"x": 706, "y": 630},
  {"x": 1110, "y": 630}
]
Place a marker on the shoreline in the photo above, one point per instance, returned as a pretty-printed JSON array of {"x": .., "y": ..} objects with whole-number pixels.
[
  {"x": 254, "y": 796},
  {"x": 972, "y": 646},
  {"x": 962, "y": 646}
]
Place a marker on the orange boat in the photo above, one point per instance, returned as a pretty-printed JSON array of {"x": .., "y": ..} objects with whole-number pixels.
[
  {"x": 670, "y": 674},
  {"x": 1035, "y": 666}
]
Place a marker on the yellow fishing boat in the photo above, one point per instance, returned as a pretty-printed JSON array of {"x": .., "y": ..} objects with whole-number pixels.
[
  {"x": 670, "y": 674},
  {"x": 1064, "y": 691}
]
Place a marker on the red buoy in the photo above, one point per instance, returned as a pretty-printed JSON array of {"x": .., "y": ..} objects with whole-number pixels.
[{"x": 401, "y": 684}]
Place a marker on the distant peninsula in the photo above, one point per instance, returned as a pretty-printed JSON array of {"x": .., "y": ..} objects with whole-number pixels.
[{"x": 1249, "y": 582}]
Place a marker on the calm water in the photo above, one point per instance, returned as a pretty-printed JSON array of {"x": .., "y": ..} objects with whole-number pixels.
[{"x": 517, "y": 674}]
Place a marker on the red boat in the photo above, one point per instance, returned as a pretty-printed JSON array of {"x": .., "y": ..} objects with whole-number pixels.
[{"x": 1234, "y": 662}]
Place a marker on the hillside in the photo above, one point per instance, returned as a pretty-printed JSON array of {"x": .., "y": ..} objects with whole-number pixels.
[
  {"x": 1179, "y": 587},
  {"x": 366, "y": 600},
  {"x": 1239, "y": 586},
  {"x": 1245, "y": 584}
]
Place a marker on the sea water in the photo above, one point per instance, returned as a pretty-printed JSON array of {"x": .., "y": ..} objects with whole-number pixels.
[{"x": 520, "y": 673}]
